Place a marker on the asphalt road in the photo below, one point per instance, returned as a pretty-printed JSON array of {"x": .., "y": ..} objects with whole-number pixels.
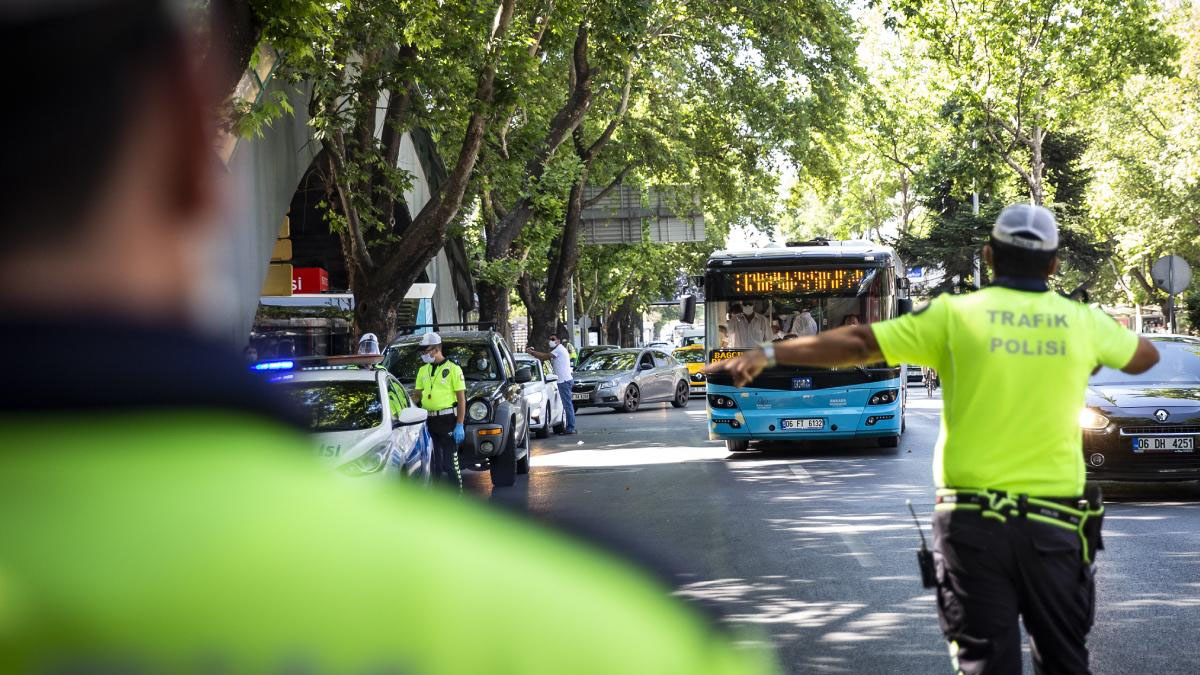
[{"x": 813, "y": 546}]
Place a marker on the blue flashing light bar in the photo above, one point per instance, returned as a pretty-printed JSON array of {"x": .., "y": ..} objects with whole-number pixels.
[{"x": 274, "y": 365}]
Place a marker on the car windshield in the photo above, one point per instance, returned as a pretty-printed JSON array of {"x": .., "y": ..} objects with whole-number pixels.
[
  {"x": 608, "y": 361},
  {"x": 690, "y": 356},
  {"x": 535, "y": 368},
  {"x": 475, "y": 359},
  {"x": 337, "y": 406},
  {"x": 1178, "y": 363}
]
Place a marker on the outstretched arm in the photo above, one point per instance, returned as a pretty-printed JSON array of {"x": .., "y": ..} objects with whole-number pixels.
[
  {"x": 543, "y": 356},
  {"x": 845, "y": 346}
]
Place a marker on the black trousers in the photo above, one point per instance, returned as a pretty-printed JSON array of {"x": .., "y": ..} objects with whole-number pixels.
[
  {"x": 445, "y": 451},
  {"x": 990, "y": 572}
]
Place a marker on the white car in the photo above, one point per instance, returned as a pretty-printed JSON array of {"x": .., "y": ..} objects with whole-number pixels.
[
  {"x": 545, "y": 405},
  {"x": 360, "y": 416}
]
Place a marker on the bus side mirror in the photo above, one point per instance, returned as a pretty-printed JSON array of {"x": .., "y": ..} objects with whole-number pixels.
[
  {"x": 687, "y": 309},
  {"x": 903, "y": 306}
]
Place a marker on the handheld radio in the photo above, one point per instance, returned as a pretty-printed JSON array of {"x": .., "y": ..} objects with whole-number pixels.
[{"x": 924, "y": 556}]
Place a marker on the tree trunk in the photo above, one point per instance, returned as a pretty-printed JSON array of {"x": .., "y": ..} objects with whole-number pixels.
[
  {"x": 495, "y": 306},
  {"x": 374, "y": 312},
  {"x": 1037, "y": 168}
]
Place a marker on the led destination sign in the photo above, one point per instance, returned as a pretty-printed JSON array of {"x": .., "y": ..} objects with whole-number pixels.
[{"x": 796, "y": 281}]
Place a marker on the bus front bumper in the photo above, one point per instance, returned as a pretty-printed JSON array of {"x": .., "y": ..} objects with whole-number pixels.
[{"x": 868, "y": 422}]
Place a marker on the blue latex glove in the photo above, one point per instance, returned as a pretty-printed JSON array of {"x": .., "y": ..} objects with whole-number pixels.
[{"x": 459, "y": 433}]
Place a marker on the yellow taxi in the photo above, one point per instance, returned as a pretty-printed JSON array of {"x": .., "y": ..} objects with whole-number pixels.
[{"x": 692, "y": 356}]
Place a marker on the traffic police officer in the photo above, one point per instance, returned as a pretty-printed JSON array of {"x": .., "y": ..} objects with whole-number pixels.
[
  {"x": 440, "y": 389},
  {"x": 170, "y": 516},
  {"x": 1014, "y": 533}
]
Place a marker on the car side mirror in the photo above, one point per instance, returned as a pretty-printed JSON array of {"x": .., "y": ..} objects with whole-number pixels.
[
  {"x": 904, "y": 306},
  {"x": 646, "y": 366},
  {"x": 523, "y": 375},
  {"x": 410, "y": 416}
]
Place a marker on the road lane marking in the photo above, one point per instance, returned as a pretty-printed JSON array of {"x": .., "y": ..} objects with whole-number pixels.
[{"x": 852, "y": 541}]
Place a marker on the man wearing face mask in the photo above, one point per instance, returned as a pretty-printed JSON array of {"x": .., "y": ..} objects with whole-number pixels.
[
  {"x": 560, "y": 359},
  {"x": 747, "y": 328},
  {"x": 441, "y": 389}
]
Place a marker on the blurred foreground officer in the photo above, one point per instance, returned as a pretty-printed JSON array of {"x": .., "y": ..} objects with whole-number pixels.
[
  {"x": 1014, "y": 533},
  {"x": 157, "y": 512},
  {"x": 441, "y": 389}
]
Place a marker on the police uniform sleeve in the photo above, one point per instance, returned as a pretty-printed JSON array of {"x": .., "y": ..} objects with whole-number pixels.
[
  {"x": 918, "y": 338},
  {"x": 422, "y": 375},
  {"x": 456, "y": 379},
  {"x": 1113, "y": 343}
]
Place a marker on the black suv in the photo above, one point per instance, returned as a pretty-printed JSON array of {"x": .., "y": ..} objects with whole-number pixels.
[{"x": 497, "y": 423}]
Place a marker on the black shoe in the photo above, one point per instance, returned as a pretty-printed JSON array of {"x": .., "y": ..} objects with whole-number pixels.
[{"x": 569, "y": 432}]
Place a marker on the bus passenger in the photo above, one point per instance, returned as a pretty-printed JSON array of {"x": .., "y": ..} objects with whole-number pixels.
[
  {"x": 851, "y": 320},
  {"x": 749, "y": 328},
  {"x": 804, "y": 323}
]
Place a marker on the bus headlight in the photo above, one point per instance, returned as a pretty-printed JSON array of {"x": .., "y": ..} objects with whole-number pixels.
[
  {"x": 1092, "y": 420},
  {"x": 477, "y": 411},
  {"x": 884, "y": 397},
  {"x": 722, "y": 402}
]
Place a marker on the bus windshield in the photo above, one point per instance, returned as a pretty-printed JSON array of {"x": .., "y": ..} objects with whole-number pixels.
[{"x": 755, "y": 311}]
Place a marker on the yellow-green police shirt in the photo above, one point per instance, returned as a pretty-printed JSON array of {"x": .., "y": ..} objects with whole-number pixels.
[
  {"x": 438, "y": 384},
  {"x": 1014, "y": 367}
]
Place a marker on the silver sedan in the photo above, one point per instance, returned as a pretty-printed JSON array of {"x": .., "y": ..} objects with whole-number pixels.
[{"x": 624, "y": 379}]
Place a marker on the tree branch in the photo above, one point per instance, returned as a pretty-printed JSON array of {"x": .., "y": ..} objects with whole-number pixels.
[
  {"x": 606, "y": 135},
  {"x": 588, "y": 203}
]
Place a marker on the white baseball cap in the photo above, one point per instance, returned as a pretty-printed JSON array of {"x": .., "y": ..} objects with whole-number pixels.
[
  {"x": 1027, "y": 226},
  {"x": 430, "y": 339}
]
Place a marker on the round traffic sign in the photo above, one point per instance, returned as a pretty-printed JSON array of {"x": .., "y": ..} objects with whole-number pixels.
[{"x": 1171, "y": 273}]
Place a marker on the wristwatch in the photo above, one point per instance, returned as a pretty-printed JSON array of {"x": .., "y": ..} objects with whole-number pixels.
[{"x": 768, "y": 350}]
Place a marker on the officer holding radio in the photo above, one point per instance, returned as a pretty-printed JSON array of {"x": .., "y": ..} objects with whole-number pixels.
[{"x": 1015, "y": 530}]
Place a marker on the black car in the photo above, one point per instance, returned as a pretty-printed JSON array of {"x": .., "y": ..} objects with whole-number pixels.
[
  {"x": 1146, "y": 427},
  {"x": 497, "y": 423}
]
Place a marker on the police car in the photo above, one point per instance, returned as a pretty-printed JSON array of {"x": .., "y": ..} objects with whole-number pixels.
[{"x": 362, "y": 420}]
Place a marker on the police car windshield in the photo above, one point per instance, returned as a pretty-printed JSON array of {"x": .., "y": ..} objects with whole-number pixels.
[
  {"x": 608, "y": 361},
  {"x": 337, "y": 406},
  {"x": 474, "y": 357},
  {"x": 1178, "y": 363}
]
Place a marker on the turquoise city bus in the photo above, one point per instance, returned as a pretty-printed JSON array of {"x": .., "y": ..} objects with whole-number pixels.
[{"x": 801, "y": 289}]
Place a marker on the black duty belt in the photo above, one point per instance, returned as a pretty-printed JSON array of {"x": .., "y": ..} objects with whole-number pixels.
[{"x": 1081, "y": 515}]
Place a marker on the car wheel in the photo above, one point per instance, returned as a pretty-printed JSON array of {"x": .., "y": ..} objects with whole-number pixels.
[
  {"x": 681, "y": 395},
  {"x": 544, "y": 432},
  {"x": 737, "y": 446},
  {"x": 633, "y": 399},
  {"x": 889, "y": 441},
  {"x": 504, "y": 465}
]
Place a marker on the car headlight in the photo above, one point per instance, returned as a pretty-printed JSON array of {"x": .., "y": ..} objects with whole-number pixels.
[
  {"x": 374, "y": 461},
  {"x": 477, "y": 411},
  {"x": 1090, "y": 419},
  {"x": 607, "y": 384}
]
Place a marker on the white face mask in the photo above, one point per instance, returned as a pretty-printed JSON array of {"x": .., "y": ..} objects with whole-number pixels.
[
  {"x": 481, "y": 365},
  {"x": 553, "y": 344},
  {"x": 748, "y": 310},
  {"x": 427, "y": 358}
]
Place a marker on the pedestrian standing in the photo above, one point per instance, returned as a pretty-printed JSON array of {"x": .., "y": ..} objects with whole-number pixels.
[
  {"x": 1015, "y": 527},
  {"x": 441, "y": 389},
  {"x": 560, "y": 360}
]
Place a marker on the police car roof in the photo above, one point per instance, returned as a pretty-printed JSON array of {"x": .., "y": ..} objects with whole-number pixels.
[{"x": 332, "y": 375}]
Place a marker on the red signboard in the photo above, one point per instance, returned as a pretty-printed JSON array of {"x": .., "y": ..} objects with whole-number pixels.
[{"x": 309, "y": 280}]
